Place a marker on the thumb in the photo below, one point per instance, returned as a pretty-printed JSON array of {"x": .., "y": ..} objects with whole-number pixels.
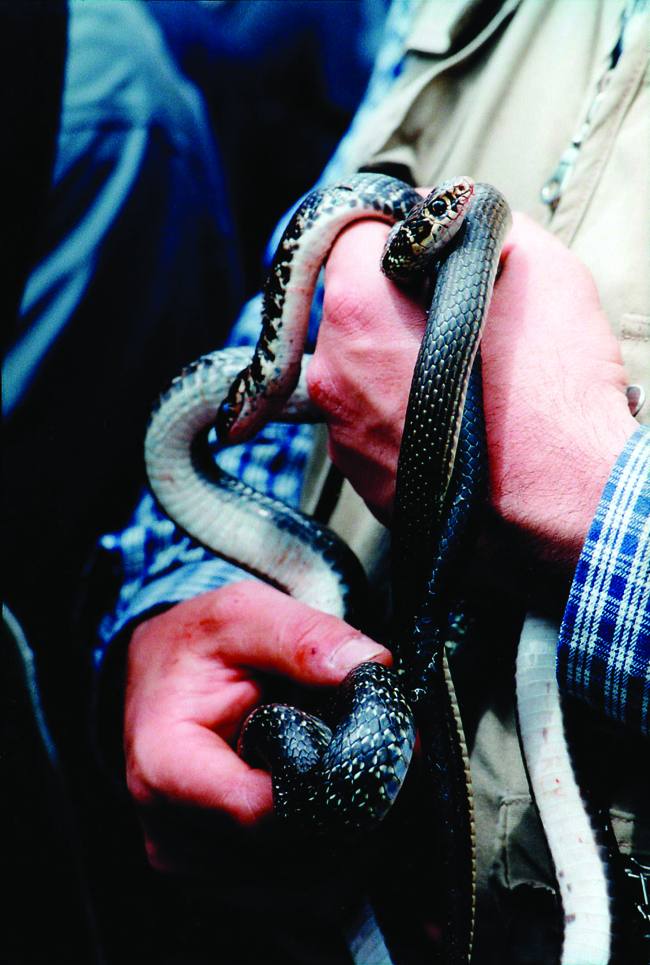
[{"x": 192, "y": 679}]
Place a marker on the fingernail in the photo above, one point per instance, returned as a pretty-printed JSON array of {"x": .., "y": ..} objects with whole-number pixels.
[{"x": 352, "y": 652}]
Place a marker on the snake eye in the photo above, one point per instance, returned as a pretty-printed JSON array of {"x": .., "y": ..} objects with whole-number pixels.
[{"x": 439, "y": 208}]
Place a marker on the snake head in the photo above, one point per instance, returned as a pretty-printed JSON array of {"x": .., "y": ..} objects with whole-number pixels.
[
  {"x": 230, "y": 410},
  {"x": 415, "y": 243},
  {"x": 247, "y": 407}
]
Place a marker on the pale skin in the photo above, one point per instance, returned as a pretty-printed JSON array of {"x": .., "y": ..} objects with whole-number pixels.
[{"x": 556, "y": 417}]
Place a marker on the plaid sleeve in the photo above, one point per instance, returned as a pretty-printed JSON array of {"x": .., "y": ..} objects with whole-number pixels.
[{"x": 604, "y": 644}]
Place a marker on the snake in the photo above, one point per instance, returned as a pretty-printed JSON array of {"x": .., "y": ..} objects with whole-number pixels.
[{"x": 343, "y": 779}]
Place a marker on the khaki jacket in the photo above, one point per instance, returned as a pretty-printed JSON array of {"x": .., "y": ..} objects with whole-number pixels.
[{"x": 503, "y": 103}]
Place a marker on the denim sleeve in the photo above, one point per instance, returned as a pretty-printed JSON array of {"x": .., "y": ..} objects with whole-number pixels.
[
  {"x": 137, "y": 174},
  {"x": 604, "y": 645},
  {"x": 152, "y": 564}
]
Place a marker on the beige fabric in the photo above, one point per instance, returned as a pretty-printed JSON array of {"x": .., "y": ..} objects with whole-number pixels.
[
  {"x": 501, "y": 101},
  {"x": 505, "y": 107}
]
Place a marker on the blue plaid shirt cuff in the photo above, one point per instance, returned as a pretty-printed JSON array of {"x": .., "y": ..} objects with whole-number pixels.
[{"x": 604, "y": 644}]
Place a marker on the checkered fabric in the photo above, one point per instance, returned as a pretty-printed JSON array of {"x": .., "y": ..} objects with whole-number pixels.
[{"x": 604, "y": 645}]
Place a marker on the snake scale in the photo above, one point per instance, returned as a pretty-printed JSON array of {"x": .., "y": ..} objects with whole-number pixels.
[{"x": 345, "y": 782}]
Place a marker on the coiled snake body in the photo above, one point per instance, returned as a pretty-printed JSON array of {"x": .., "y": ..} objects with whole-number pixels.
[{"x": 347, "y": 783}]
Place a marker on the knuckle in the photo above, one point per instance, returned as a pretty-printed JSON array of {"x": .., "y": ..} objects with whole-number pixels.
[
  {"x": 318, "y": 378},
  {"x": 158, "y": 857},
  {"x": 310, "y": 637},
  {"x": 139, "y": 786},
  {"x": 327, "y": 386},
  {"x": 146, "y": 772}
]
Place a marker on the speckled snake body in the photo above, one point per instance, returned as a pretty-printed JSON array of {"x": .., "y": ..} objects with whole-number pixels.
[{"x": 348, "y": 781}]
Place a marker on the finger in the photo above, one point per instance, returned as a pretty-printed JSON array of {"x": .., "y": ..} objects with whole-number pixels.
[
  {"x": 355, "y": 281},
  {"x": 193, "y": 793},
  {"x": 368, "y": 339},
  {"x": 251, "y": 625},
  {"x": 185, "y": 762},
  {"x": 285, "y": 636}
]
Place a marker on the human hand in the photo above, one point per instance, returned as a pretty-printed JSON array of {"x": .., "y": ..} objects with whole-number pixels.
[
  {"x": 193, "y": 675},
  {"x": 361, "y": 370},
  {"x": 556, "y": 413}
]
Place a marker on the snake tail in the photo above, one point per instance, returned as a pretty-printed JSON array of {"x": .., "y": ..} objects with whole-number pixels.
[{"x": 579, "y": 867}]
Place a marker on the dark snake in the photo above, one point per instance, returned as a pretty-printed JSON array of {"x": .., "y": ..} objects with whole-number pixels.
[{"x": 343, "y": 783}]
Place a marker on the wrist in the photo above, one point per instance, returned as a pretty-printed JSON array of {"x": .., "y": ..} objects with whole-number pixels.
[{"x": 536, "y": 525}]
